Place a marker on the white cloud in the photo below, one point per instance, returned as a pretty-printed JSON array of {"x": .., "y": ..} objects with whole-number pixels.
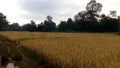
[
  {"x": 59, "y": 9},
  {"x": 12, "y": 10}
]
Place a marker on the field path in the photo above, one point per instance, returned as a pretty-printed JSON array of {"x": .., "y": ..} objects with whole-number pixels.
[{"x": 26, "y": 61}]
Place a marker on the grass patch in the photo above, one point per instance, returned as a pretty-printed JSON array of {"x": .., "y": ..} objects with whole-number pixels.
[
  {"x": 35, "y": 57},
  {"x": 8, "y": 50}
]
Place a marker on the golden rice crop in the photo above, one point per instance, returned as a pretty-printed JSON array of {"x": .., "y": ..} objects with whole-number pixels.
[{"x": 73, "y": 50}]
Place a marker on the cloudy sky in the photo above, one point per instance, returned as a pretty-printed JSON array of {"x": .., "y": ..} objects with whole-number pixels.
[{"x": 22, "y": 11}]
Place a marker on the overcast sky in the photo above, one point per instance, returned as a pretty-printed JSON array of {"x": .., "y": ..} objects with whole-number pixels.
[{"x": 22, "y": 11}]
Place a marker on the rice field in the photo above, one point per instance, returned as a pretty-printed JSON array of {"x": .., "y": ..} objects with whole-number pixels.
[{"x": 72, "y": 50}]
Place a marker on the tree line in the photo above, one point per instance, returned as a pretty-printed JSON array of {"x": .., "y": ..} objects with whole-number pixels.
[
  {"x": 105, "y": 24},
  {"x": 85, "y": 21}
]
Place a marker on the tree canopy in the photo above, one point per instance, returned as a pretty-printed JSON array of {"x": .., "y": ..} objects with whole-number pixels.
[
  {"x": 84, "y": 21},
  {"x": 3, "y": 22}
]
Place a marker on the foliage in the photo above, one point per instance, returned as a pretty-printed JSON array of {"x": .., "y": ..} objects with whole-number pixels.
[
  {"x": 3, "y": 22},
  {"x": 14, "y": 27},
  {"x": 85, "y": 21},
  {"x": 110, "y": 25}
]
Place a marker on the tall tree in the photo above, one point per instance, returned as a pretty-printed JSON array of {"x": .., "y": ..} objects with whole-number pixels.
[
  {"x": 70, "y": 24},
  {"x": 92, "y": 10},
  {"x": 49, "y": 25},
  {"x": 33, "y": 26},
  {"x": 62, "y": 26},
  {"x": 40, "y": 26},
  {"x": 3, "y": 22}
]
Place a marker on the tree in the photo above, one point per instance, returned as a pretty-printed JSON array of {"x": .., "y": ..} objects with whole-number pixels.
[
  {"x": 26, "y": 27},
  {"x": 30, "y": 27},
  {"x": 14, "y": 27},
  {"x": 62, "y": 26},
  {"x": 66, "y": 26},
  {"x": 92, "y": 9},
  {"x": 49, "y": 25},
  {"x": 49, "y": 18},
  {"x": 40, "y": 26},
  {"x": 79, "y": 25},
  {"x": 70, "y": 25},
  {"x": 87, "y": 20},
  {"x": 3, "y": 22},
  {"x": 109, "y": 24}
]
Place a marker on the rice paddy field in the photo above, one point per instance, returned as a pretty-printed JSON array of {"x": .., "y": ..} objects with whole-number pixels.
[{"x": 72, "y": 50}]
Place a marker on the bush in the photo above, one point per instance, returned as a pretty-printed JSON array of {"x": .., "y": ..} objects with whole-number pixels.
[
  {"x": 17, "y": 58},
  {"x": 4, "y": 60}
]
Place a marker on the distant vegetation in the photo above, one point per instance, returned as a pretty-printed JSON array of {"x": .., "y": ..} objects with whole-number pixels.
[
  {"x": 85, "y": 21},
  {"x": 105, "y": 24}
]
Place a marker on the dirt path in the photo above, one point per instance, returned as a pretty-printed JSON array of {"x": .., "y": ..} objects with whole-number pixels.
[
  {"x": 11, "y": 48},
  {"x": 11, "y": 65}
]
